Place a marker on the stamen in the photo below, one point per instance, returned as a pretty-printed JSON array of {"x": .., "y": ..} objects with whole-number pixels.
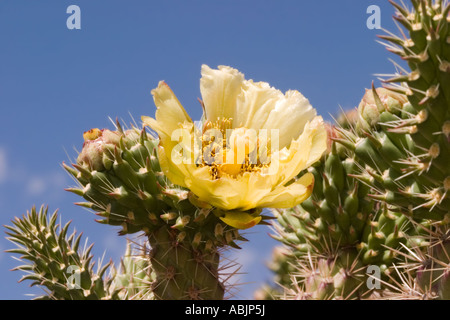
[{"x": 232, "y": 152}]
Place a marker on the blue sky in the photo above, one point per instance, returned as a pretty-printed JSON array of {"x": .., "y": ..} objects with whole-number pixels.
[{"x": 56, "y": 83}]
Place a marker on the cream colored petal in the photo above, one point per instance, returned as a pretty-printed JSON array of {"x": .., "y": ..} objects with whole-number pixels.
[
  {"x": 319, "y": 141},
  {"x": 175, "y": 130},
  {"x": 220, "y": 88},
  {"x": 254, "y": 104},
  {"x": 302, "y": 152},
  {"x": 175, "y": 173},
  {"x": 170, "y": 114},
  {"x": 291, "y": 195},
  {"x": 290, "y": 115}
]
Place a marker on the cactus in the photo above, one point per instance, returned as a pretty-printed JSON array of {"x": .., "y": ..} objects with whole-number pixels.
[
  {"x": 134, "y": 277},
  {"x": 379, "y": 195},
  {"x": 393, "y": 149},
  {"x": 337, "y": 274},
  {"x": 424, "y": 273},
  {"x": 338, "y": 219},
  {"x": 61, "y": 265},
  {"x": 402, "y": 137},
  {"x": 53, "y": 257},
  {"x": 119, "y": 175}
]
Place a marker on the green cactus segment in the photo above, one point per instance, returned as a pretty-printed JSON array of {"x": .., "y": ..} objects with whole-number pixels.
[
  {"x": 183, "y": 271},
  {"x": 433, "y": 274},
  {"x": 339, "y": 213},
  {"x": 383, "y": 236},
  {"x": 118, "y": 179},
  {"x": 403, "y": 137},
  {"x": 56, "y": 261},
  {"x": 376, "y": 237},
  {"x": 121, "y": 179},
  {"x": 342, "y": 215},
  {"x": 134, "y": 278},
  {"x": 337, "y": 275},
  {"x": 425, "y": 270}
]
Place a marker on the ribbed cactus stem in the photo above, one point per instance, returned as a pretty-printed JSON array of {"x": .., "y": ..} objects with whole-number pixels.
[{"x": 183, "y": 272}]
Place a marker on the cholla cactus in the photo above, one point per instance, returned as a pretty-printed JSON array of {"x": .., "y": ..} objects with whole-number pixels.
[
  {"x": 379, "y": 196},
  {"x": 338, "y": 219},
  {"x": 403, "y": 139},
  {"x": 63, "y": 266},
  {"x": 394, "y": 151},
  {"x": 56, "y": 260},
  {"x": 119, "y": 175},
  {"x": 134, "y": 277}
]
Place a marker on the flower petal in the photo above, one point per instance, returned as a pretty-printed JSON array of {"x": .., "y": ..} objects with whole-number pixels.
[
  {"x": 175, "y": 173},
  {"x": 255, "y": 103},
  {"x": 219, "y": 89},
  {"x": 261, "y": 106},
  {"x": 319, "y": 143},
  {"x": 240, "y": 219},
  {"x": 225, "y": 193},
  {"x": 302, "y": 152},
  {"x": 290, "y": 196},
  {"x": 170, "y": 117},
  {"x": 290, "y": 115},
  {"x": 170, "y": 114}
]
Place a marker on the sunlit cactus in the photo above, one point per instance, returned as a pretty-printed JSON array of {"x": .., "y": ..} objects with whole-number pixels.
[
  {"x": 56, "y": 261},
  {"x": 360, "y": 208},
  {"x": 119, "y": 175},
  {"x": 383, "y": 188}
]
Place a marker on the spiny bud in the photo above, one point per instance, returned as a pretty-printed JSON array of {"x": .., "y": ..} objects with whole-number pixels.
[
  {"x": 96, "y": 143},
  {"x": 376, "y": 101}
]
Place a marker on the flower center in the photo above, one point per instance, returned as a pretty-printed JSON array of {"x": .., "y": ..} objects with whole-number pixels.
[{"x": 233, "y": 151}]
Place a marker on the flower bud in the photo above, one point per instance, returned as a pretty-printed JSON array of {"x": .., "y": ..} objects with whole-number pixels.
[
  {"x": 370, "y": 108},
  {"x": 96, "y": 147}
]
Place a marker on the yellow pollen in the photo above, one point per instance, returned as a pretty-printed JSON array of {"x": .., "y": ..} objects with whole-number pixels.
[
  {"x": 92, "y": 134},
  {"x": 231, "y": 151}
]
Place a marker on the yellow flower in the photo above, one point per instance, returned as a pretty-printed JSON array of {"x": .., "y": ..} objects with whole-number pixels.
[{"x": 252, "y": 143}]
